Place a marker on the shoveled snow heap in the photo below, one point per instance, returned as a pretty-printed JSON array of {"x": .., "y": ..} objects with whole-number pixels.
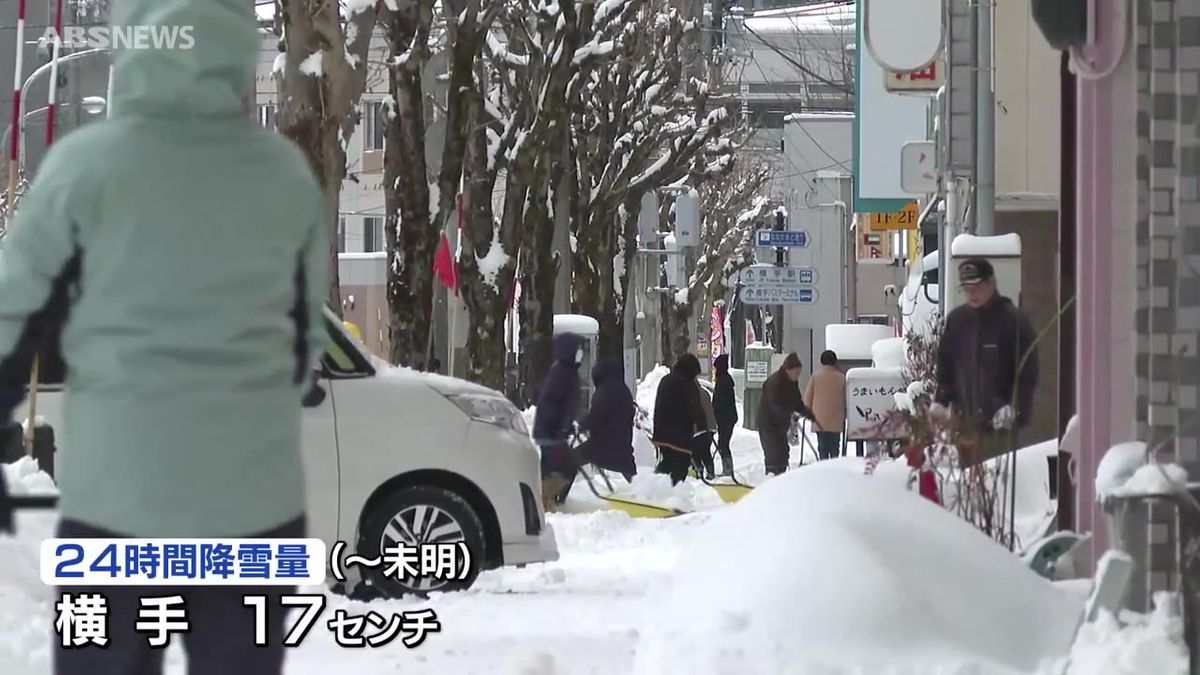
[
  {"x": 23, "y": 477},
  {"x": 837, "y": 570},
  {"x": 853, "y": 341}
]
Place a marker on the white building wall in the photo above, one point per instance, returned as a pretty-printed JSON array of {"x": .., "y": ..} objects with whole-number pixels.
[{"x": 1027, "y": 104}]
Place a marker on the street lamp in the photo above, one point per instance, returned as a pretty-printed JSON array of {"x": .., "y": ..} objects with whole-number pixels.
[
  {"x": 92, "y": 105},
  {"x": 44, "y": 68}
]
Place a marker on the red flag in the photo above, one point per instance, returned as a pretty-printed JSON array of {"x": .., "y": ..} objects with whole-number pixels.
[{"x": 443, "y": 265}]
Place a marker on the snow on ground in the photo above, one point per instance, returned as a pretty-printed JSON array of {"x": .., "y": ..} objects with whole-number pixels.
[
  {"x": 867, "y": 577},
  {"x": 593, "y": 609},
  {"x": 853, "y": 570}
]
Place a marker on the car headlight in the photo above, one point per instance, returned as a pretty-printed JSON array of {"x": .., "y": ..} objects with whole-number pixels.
[{"x": 492, "y": 410}]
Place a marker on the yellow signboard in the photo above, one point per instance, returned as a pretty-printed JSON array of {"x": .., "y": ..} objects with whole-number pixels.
[{"x": 904, "y": 219}]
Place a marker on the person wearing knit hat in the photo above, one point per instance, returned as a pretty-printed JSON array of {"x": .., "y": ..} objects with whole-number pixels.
[{"x": 780, "y": 399}]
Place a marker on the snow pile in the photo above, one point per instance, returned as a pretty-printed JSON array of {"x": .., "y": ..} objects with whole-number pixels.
[
  {"x": 579, "y": 324},
  {"x": 1153, "y": 479},
  {"x": 1147, "y": 644},
  {"x": 865, "y": 577},
  {"x": 888, "y": 353},
  {"x": 647, "y": 389},
  {"x": 1117, "y": 466},
  {"x": 985, "y": 246},
  {"x": 23, "y": 477},
  {"x": 853, "y": 341},
  {"x": 1125, "y": 472},
  {"x": 906, "y": 400}
]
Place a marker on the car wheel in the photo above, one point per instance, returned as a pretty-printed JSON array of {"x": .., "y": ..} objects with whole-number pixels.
[{"x": 420, "y": 515}]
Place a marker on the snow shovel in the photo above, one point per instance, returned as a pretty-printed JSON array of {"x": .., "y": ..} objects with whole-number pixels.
[
  {"x": 728, "y": 492},
  {"x": 635, "y": 509}
]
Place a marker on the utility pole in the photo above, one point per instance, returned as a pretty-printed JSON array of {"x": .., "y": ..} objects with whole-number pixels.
[{"x": 985, "y": 122}]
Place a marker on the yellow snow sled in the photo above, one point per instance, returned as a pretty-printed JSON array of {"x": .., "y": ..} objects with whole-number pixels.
[
  {"x": 635, "y": 509},
  {"x": 728, "y": 492}
]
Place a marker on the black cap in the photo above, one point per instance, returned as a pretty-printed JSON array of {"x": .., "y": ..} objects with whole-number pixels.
[{"x": 975, "y": 271}]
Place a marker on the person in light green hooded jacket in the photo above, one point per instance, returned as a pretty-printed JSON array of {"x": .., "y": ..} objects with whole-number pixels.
[{"x": 182, "y": 252}]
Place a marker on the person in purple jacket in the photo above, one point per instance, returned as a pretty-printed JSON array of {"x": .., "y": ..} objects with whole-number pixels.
[
  {"x": 557, "y": 406},
  {"x": 609, "y": 421}
]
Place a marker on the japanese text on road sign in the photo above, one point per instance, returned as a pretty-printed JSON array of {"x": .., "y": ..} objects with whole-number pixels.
[
  {"x": 771, "y": 275},
  {"x": 789, "y": 238},
  {"x": 778, "y": 295}
]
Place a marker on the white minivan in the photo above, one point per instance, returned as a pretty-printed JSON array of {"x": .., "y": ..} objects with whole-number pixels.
[{"x": 393, "y": 455}]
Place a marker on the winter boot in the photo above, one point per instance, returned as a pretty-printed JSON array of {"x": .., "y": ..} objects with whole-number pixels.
[{"x": 552, "y": 486}]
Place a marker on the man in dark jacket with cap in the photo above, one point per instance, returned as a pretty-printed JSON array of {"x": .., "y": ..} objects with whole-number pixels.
[
  {"x": 725, "y": 408},
  {"x": 609, "y": 421},
  {"x": 557, "y": 405},
  {"x": 780, "y": 399},
  {"x": 986, "y": 363},
  {"x": 678, "y": 415}
]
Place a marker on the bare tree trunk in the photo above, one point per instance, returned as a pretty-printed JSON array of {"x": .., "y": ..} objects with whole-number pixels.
[
  {"x": 317, "y": 109},
  {"x": 411, "y": 236},
  {"x": 485, "y": 285},
  {"x": 539, "y": 271}
]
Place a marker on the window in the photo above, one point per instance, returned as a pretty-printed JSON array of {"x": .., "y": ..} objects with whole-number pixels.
[
  {"x": 341, "y": 235},
  {"x": 372, "y": 234},
  {"x": 373, "y": 125},
  {"x": 266, "y": 115}
]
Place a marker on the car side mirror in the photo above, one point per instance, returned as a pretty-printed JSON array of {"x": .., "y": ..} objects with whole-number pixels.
[{"x": 315, "y": 396}]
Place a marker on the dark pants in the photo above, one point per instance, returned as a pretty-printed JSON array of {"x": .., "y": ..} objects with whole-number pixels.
[
  {"x": 724, "y": 435},
  {"x": 221, "y": 636},
  {"x": 829, "y": 444},
  {"x": 776, "y": 451},
  {"x": 674, "y": 463},
  {"x": 702, "y": 453}
]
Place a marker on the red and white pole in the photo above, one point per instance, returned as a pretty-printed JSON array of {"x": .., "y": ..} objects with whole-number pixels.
[
  {"x": 15, "y": 138},
  {"x": 52, "y": 100}
]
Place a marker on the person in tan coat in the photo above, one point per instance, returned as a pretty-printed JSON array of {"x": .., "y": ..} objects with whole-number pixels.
[{"x": 826, "y": 397}]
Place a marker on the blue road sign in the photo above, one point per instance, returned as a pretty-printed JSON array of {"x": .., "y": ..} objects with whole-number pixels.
[
  {"x": 772, "y": 275},
  {"x": 783, "y": 238},
  {"x": 778, "y": 295}
]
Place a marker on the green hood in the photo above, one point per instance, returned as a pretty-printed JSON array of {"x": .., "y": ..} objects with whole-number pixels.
[{"x": 204, "y": 71}]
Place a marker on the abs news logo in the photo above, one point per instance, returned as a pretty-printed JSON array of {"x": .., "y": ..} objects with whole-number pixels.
[{"x": 120, "y": 37}]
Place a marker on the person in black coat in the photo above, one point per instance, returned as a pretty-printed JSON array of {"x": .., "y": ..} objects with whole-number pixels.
[
  {"x": 780, "y": 400},
  {"x": 725, "y": 409},
  {"x": 557, "y": 406},
  {"x": 609, "y": 421},
  {"x": 987, "y": 366},
  {"x": 677, "y": 417}
]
